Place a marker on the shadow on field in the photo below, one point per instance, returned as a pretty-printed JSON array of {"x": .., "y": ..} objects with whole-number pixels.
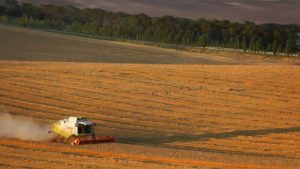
[{"x": 162, "y": 139}]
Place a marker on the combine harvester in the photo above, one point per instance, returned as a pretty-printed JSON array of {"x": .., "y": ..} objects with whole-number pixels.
[{"x": 77, "y": 131}]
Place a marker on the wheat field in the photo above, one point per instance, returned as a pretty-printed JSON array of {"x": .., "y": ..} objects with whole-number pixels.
[
  {"x": 166, "y": 108},
  {"x": 162, "y": 116}
]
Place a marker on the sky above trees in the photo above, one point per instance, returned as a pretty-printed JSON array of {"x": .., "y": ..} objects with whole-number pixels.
[{"x": 259, "y": 11}]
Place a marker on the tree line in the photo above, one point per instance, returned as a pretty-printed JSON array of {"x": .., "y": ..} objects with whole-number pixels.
[{"x": 245, "y": 36}]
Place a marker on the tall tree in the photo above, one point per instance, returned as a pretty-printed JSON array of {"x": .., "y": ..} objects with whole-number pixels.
[
  {"x": 274, "y": 47},
  {"x": 12, "y": 8},
  {"x": 2, "y": 10},
  {"x": 259, "y": 44},
  {"x": 203, "y": 40},
  {"x": 244, "y": 44}
]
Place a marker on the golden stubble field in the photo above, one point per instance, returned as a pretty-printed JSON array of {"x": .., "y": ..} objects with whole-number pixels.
[{"x": 162, "y": 116}]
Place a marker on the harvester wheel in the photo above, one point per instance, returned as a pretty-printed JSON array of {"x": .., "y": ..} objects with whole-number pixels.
[
  {"x": 73, "y": 140},
  {"x": 76, "y": 141}
]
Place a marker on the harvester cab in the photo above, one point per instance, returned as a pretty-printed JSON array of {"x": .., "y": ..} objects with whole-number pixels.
[{"x": 76, "y": 131}]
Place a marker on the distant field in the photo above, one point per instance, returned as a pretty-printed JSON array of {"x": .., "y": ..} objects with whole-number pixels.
[
  {"x": 163, "y": 116},
  {"x": 31, "y": 45}
]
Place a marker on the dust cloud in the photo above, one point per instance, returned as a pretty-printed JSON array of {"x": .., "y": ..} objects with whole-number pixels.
[{"x": 23, "y": 128}]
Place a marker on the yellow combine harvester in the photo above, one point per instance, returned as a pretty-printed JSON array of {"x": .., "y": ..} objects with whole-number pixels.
[{"x": 77, "y": 131}]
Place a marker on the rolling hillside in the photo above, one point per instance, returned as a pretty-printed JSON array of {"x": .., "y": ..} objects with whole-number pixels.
[{"x": 166, "y": 108}]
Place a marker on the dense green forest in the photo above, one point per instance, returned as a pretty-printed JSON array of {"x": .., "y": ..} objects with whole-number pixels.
[{"x": 247, "y": 36}]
